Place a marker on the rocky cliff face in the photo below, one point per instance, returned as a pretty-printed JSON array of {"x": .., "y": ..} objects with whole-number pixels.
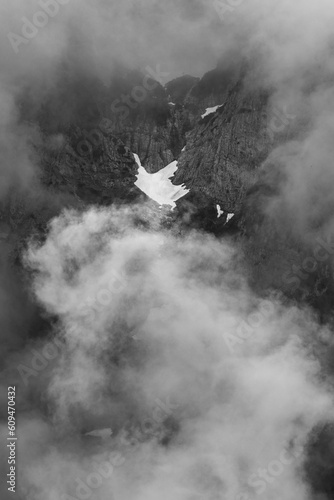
[
  {"x": 105, "y": 174},
  {"x": 90, "y": 133},
  {"x": 222, "y": 151}
]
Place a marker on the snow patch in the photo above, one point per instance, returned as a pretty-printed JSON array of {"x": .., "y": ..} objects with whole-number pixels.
[
  {"x": 158, "y": 186},
  {"x": 221, "y": 212},
  {"x": 101, "y": 433},
  {"x": 209, "y": 111}
]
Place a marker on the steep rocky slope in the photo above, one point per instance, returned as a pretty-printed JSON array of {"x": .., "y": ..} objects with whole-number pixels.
[
  {"x": 90, "y": 132},
  {"x": 89, "y": 135},
  {"x": 222, "y": 151}
]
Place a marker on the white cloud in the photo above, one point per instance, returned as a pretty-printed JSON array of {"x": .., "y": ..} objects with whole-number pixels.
[{"x": 235, "y": 413}]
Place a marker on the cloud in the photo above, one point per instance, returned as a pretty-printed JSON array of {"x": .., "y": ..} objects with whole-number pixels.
[
  {"x": 232, "y": 413},
  {"x": 146, "y": 316}
]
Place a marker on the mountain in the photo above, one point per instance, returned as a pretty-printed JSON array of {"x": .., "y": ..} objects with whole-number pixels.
[
  {"x": 220, "y": 132},
  {"x": 218, "y": 129}
]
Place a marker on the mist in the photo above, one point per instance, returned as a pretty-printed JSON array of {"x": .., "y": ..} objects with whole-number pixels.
[
  {"x": 204, "y": 388},
  {"x": 202, "y": 384}
]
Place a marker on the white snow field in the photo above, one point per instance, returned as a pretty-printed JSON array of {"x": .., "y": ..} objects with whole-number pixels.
[{"x": 158, "y": 186}]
